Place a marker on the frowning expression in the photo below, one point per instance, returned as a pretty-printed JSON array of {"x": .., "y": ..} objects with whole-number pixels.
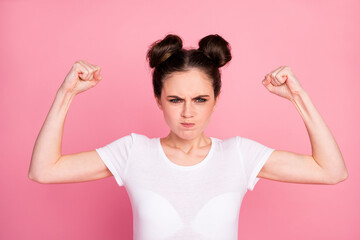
[{"x": 187, "y": 97}]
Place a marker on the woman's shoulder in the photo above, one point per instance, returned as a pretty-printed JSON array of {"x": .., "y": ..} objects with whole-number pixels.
[
  {"x": 139, "y": 137},
  {"x": 226, "y": 142},
  {"x": 236, "y": 140},
  {"x": 227, "y": 139}
]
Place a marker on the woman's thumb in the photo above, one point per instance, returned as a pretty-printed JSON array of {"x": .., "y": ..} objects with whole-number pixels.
[
  {"x": 97, "y": 75},
  {"x": 267, "y": 83}
]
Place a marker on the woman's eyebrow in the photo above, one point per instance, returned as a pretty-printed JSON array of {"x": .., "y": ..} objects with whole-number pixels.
[{"x": 174, "y": 96}]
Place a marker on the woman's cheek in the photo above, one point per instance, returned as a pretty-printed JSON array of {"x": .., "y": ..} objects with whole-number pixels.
[{"x": 171, "y": 117}]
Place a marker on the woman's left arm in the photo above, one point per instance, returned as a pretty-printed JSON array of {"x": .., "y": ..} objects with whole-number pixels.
[{"x": 326, "y": 164}]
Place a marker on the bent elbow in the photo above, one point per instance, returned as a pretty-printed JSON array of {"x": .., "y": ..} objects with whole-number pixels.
[
  {"x": 344, "y": 177},
  {"x": 34, "y": 178},
  {"x": 339, "y": 179}
]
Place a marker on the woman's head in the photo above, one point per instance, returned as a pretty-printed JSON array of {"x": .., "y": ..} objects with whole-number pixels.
[
  {"x": 187, "y": 82},
  {"x": 167, "y": 56}
]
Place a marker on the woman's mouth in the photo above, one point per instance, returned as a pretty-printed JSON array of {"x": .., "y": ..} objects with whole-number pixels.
[{"x": 188, "y": 125}]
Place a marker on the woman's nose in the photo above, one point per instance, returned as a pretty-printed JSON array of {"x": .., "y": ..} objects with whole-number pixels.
[{"x": 187, "y": 110}]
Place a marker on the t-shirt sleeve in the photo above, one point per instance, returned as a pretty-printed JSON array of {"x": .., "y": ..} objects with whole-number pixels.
[
  {"x": 116, "y": 155},
  {"x": 253, "y": 156}
]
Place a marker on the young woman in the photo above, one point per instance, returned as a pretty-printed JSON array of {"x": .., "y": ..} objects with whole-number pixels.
[{"x": 186, "y": 185}]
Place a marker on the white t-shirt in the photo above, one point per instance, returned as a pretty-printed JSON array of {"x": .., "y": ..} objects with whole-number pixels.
[{"x": 171, "y": 201}]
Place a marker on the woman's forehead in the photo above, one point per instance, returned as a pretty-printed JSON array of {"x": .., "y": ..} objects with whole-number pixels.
[
  {"x": 185, "y": 82},
  {"x": 190, "y": 73}
]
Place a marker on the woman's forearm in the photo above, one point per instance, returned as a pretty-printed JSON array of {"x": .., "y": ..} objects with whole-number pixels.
[
  {"x": 325, "y": 150},
  {"x": 47, "y": 148}
]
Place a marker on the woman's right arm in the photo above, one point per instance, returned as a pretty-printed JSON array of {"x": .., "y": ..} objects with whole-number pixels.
[{"x": 48, "y": 165}]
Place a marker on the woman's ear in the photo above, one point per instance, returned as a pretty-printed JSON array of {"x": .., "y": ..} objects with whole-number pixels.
[
  {"x": 216, "y": 102},
  {"x": 158, "y": 102}
]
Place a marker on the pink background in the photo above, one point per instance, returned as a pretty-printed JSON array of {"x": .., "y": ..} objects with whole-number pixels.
[{"x": 40, "y": 40}]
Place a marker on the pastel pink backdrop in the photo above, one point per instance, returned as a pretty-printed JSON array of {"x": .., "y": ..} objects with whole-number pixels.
[{"x": 40, "y": 40}]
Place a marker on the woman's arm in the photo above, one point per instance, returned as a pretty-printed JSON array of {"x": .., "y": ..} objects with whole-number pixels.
[
  {"x": 326, "y": 165},
  {"x": 47, "y": 148},
  {"x": 325, "y": 150}
]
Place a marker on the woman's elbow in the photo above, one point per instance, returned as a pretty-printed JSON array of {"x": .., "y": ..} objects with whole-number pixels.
[
  {"x": 34, "y": 178},
  {"x": 340, "y": 178}
]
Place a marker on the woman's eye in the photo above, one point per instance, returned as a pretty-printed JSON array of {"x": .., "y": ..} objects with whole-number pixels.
[{"x": 199, "y": 100}]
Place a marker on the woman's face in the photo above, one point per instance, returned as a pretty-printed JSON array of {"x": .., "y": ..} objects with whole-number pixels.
[{"x": 187, "y": 97}]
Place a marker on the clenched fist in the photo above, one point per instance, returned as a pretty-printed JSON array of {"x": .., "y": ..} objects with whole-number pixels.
[
  {"x": 282, "y": 82},
  {"x": 81, "y": 77}
]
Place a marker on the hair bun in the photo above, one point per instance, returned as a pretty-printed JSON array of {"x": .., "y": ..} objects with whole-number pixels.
[
  {"x": 161, "y": 50},
  {"x": 216, "y": 48}
]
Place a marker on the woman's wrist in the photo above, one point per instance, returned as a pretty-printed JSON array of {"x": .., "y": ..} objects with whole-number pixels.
[{"x": 66, "y": 92}]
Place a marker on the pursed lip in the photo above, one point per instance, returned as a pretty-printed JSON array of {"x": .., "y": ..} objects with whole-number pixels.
[{"x": 188, "y": 124}]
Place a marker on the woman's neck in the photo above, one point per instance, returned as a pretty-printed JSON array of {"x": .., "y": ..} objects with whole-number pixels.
[{"x": 186, "y": 145}]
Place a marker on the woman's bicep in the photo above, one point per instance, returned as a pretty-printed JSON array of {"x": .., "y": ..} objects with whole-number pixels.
[
  {"x": 78, "y": 167},
  {"x": 292, "y": 167}
]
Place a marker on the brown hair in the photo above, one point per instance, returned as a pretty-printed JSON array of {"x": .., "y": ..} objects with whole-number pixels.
[{"x": 167, "y": 56}]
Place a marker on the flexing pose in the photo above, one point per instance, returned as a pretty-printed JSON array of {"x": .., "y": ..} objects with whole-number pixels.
[{"x": 186, "y": 185}]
